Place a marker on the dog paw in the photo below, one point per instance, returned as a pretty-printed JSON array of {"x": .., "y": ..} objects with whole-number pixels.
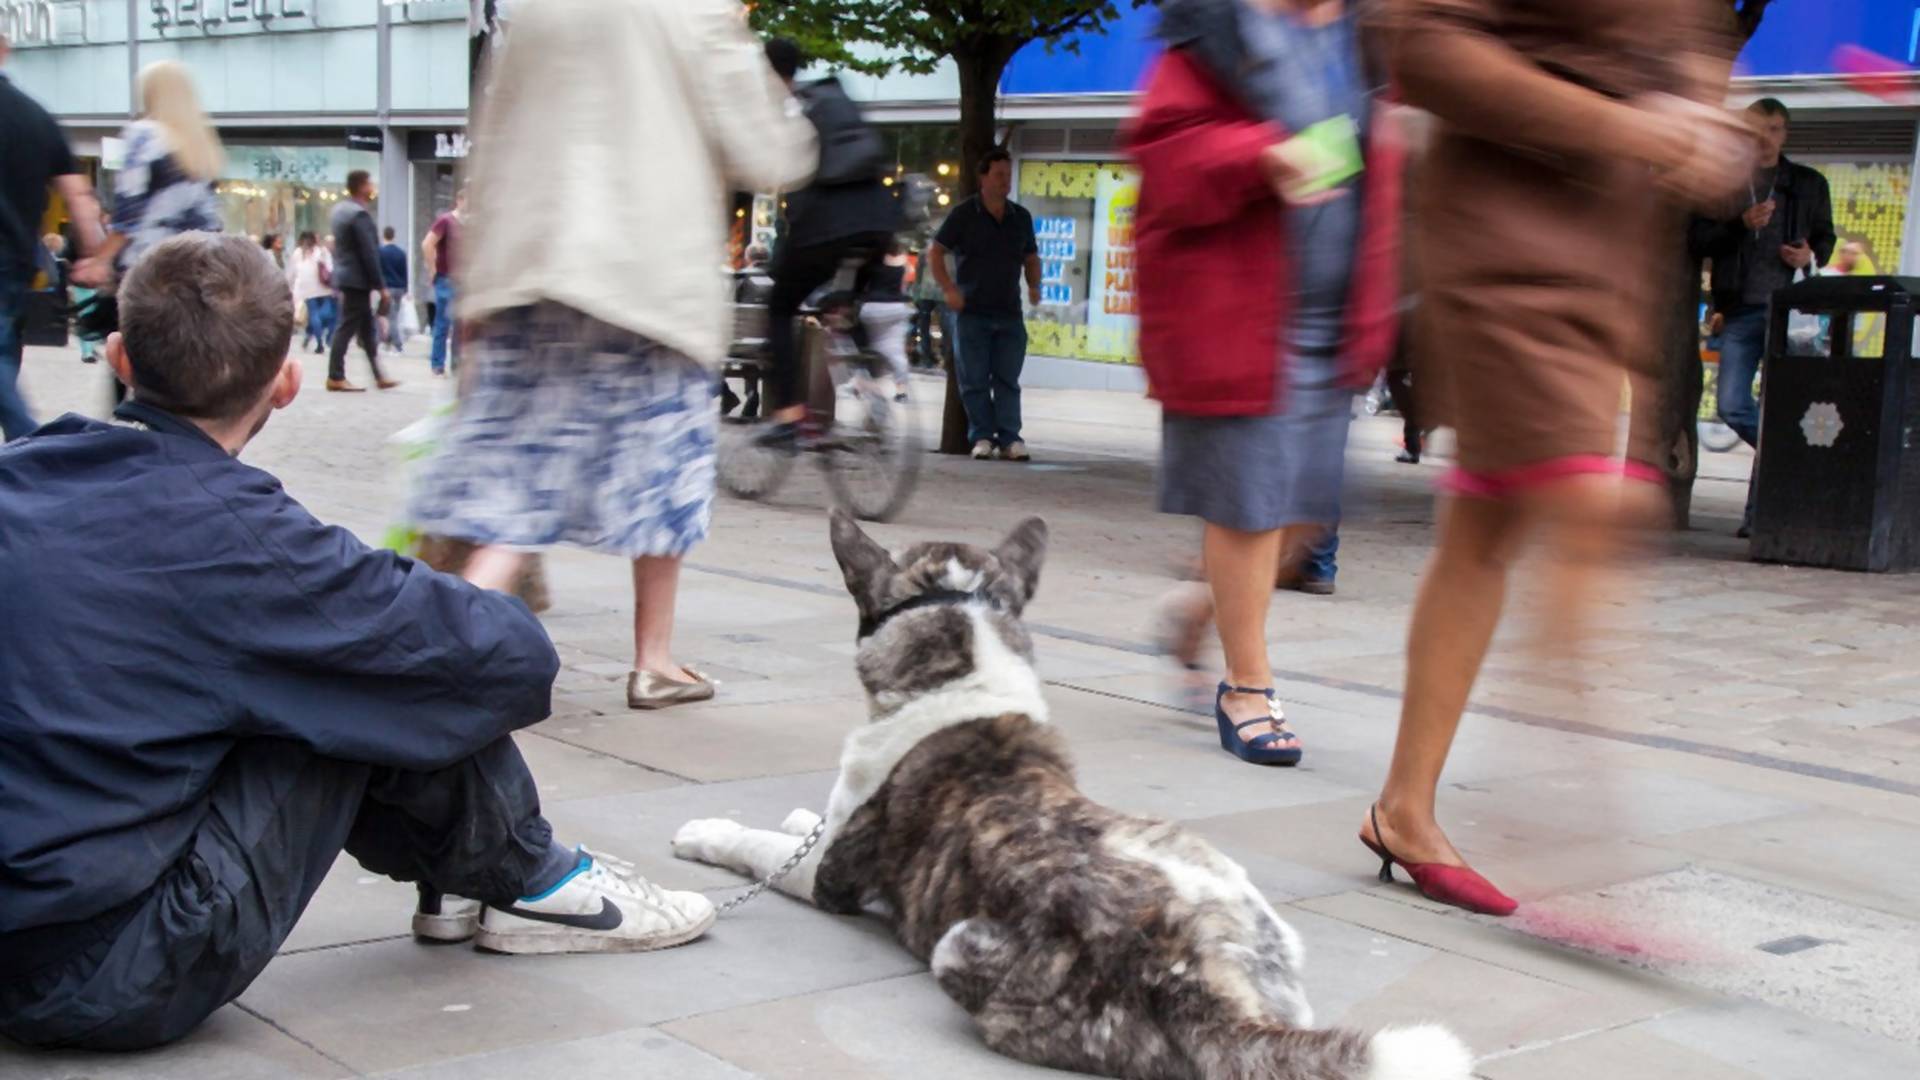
[
  {"x": 800, "y": 823},
  {"x": 705, "y": 839}
]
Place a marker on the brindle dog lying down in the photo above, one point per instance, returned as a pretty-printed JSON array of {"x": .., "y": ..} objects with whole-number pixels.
[{"x": 1075, "y": 936}]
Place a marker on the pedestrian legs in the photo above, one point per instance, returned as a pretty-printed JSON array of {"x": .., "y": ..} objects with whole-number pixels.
[
  {"x": 973, "y": 368},
  {"x": 15, "y": 420},
  {"x": 356, "y": 321},
  {"x": 1008, "y": 357},
  {"x": 1742, "y": 344},
  {"x": 442, "y": 322}
]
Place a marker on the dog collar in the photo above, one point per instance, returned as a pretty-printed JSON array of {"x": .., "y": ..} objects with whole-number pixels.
[{"x": 871, "y": 625}]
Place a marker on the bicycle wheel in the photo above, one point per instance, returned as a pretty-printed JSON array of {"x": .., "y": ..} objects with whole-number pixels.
[
  {"x": 872, "y": 460},
  {"x": 744, "y": 468}
]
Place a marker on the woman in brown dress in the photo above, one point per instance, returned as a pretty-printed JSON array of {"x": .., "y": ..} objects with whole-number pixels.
[{"x": 1567, "y": 132}]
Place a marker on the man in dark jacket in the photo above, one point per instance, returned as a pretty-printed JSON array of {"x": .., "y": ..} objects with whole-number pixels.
[
  {"x": 1783, "y": 226},
  {"x": 845, "y": 213},
  {"x": 393, "y": 272},
  {"x": 206, "y": 695},
  {"x": 357, "y": 276}
]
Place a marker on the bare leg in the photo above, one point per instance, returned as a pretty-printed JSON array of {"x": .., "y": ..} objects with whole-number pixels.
[
  {"x": 1454, "y": 617},
  {"x": 1241, "y": 568},
  {"x": 495, "y": 567},
  {"x": 656, "y": 583}
]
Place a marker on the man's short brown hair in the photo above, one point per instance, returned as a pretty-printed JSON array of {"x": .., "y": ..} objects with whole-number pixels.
[{"x": 205, "y": 319}]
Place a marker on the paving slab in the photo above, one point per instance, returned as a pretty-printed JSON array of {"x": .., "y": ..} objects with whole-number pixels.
[
  {"x": 1814, "y": 956},
  {"x": 231, "y": 1045},
  {"x": 902, "y": 1027},
  {"x": 396, "y": 1004},
  {"x": 623, "y": 1055}
]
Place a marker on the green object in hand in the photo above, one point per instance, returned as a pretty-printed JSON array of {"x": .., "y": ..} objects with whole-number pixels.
[{"x": 1327, "y": 154}]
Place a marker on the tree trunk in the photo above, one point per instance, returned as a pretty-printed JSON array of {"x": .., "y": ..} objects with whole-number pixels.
[{"x": 980, "y": 64}]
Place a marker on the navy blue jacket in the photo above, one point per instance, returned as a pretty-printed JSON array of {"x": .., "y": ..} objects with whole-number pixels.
[
  {"x": 159, "y": 603},
  {"x": 393, "y": 267}
]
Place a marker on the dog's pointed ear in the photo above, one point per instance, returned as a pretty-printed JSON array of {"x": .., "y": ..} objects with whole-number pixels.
[
  {"x": 1021, "y": 554},
  {"x": 865, "y": 564}
]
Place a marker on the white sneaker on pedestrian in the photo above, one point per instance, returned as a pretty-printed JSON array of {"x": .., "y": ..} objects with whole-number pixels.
[
  {"x": 1016, "y": 451},
  {"x": 602, "y": 906},
  {"x": 444, "y": 919},
  {"x": 983, "y": 450}
]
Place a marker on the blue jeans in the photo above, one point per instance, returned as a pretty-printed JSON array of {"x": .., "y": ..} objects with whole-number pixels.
[
  {"x": 992, "y": 350},
  {"x": 320, "y": 316},
  {"x": 1742, "y": 344},
  {"x": 15, "y": 420},
  {"x": 442, "y": 321},
  {"x": 1322, "y": 563}
]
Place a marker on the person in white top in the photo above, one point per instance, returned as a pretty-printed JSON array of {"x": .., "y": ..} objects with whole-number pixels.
[
  {"x": 310, "y": 276},
  {"x": 589, "y": 275}
]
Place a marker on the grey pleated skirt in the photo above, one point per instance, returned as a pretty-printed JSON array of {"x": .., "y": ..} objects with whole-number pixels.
[{"x": 1256, "y": 473}]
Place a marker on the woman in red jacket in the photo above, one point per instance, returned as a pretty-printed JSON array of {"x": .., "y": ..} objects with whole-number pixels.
[{"x": 1267, "y": 278}]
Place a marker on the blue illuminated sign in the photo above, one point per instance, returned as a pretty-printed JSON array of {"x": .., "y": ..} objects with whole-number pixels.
[{"x": 1798, "y": 37}]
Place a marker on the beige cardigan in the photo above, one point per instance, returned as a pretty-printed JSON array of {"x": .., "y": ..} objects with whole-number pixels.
[{"x": 603, "y": 156}]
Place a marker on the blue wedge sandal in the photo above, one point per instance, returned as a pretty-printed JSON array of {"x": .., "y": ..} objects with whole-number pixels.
[{"x": 1273, "y": 748}]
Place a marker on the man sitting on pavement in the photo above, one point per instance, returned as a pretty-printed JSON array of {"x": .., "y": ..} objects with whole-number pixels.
[{"x": 206, "y": 695}]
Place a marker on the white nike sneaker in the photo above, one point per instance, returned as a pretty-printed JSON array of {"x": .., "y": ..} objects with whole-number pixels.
[
  {"x": 983, "y": 451},
  {"x": 444, "y": 919},
  {"x": 603, "y": 906}
]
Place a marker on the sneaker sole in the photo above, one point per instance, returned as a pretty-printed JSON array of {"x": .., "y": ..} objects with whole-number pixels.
[
  {"x": 545, "y": 942},
  {"x": 444, "y": 929}
]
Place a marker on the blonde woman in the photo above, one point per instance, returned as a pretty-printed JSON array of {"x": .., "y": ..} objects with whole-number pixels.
[{"x": 166, "y": 186}]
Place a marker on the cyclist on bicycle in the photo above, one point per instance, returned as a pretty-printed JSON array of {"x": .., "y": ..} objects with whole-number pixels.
[{"x": 845, "y": 214}]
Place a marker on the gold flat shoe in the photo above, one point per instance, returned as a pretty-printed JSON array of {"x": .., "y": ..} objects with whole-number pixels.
[{"x": 652, "y": 690}]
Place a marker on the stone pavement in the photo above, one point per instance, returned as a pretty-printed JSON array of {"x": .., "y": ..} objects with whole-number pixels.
[{"x": 1713, "y": 826}]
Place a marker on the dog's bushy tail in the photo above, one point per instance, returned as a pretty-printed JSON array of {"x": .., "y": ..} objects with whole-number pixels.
[{"x": 1275, "y": 1052}]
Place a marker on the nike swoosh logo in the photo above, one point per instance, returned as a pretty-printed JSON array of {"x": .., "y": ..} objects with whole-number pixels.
[{"x": 607, "y": 918}]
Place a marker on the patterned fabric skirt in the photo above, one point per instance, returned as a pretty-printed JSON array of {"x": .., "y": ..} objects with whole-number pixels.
[{"x": 571, "y": 431}]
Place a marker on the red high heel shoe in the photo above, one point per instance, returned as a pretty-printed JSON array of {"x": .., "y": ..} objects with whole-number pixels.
[{"x": 1455, "y": 885}]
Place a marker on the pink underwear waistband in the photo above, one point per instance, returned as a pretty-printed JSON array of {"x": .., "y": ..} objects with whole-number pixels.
[{"x": 1510, "y": 482}]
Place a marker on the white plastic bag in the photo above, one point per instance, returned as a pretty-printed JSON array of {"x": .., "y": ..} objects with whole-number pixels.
[{"x": 409, "y": 318}]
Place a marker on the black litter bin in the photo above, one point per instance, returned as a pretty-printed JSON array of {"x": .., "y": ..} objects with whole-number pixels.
[{"x": 1839, "y": 468}]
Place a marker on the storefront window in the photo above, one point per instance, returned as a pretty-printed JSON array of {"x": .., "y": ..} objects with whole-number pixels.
[
  {"x": 1083, "y": 213},
  {"x": 1870, "y": 208},
  {"x": 286, "y": 190}
]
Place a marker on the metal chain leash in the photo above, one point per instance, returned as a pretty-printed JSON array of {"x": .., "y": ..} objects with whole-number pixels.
[{"x": 799, "y": 856}]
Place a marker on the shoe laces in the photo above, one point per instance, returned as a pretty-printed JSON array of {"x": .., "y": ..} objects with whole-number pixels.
[{"x": 618, "y": 875}]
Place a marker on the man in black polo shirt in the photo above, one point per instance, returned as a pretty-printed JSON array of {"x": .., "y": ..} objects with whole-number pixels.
[
  {"x": 35, "y": 155},
  {"x": 991, "y": 238}
]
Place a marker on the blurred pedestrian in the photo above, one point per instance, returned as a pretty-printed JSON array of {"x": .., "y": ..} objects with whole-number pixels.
[
  {"x": 885, "y": 313},
  {"x": 927, "y": 310},
  {"x": 1266, "y": 286},
  {"x": 275, "y": 245},
  {"x": 993, "y": 244},
  {"x": 438, "y": 251},
  {"x": 359, "y": 280},
  {"x": 1779, "y": 227},
  {"x": 1533, "y": 309},
  {"x": 588, "y": 416},
  {"x": 35, "y": 158},
  {"x": 310, "y": 275},
  {"x": 393, "y": 272},
  {"x": 845, "y": 215}
]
